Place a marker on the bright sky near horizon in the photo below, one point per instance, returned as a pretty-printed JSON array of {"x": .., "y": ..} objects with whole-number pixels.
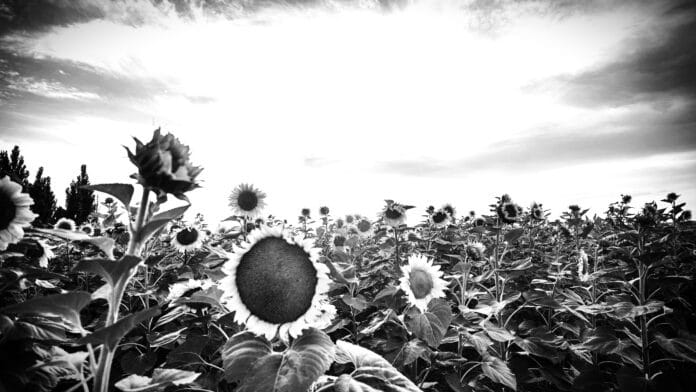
[{"x": 347, "y": 103}]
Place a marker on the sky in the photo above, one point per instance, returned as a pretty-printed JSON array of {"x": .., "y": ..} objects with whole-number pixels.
[{"x": 346, "y": 103}]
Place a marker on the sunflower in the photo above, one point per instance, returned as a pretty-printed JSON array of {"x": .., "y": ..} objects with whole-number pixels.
[
  {"x": 440, "y": 218},
  {"x": 394, "y": 214},
  {"x": 188, "y": 238},
  {"x": 65, "y": 224},
  {"x": 537, "y": 211},
  {"x": 87, "y": 229},
  {"x": 364, "y": 227},
  {"x": 323, "y": 211},
  {"x": 350, "y": 219},
  {"x": 421, "y": 281},
  {"x": 479, "y": 222},
  {"x": 276, "y": 285},
  {"x": 34, "y": 249},
  {"x": 46, "y": 253},
  {"x": 475, "y": 251},
  {"x": 509, "y": 212},
  {"x": 247, "y": 201},
  {"x": 178, "y": 289},
  {"x": 449, "y": 209},
  {"x": 14, "y": 212},
  {"x": 338, "y": 242}
]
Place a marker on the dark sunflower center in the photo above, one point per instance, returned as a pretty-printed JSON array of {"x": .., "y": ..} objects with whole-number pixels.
[
  {"x": 65, "y": 225},
  {"x": 276, "y": 280},
  {"x": 510, "y": 210},
  {"x": 421, "y": 283},
  {"x": 449, "y": 210},
  {"x": 247, "y": 200},
  {"x": 87, "y": 229},
  {"x": 339, "y": 240},
  {"x": 392, "y": 213},
  {"x": 439, "y": 217},
  {"x": 8, "y": 211},
  {"x": 537, "y": 213},
  {"x": 364, "y": 226},
  {"x": 187, "y": 236}
]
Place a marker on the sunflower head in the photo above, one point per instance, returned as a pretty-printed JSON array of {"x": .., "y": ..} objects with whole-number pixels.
[
  {"x": 87, "y": 229},
  {"x": 65, "y": 224},
  {"x": 448, "y": 208},
  {"x": 475, "y": 251},
  {"x": 338, "y": 241},
  {"x": 246, "y": 200},
  {"x": 440, "y": 218},
  {"x": 15, "y": 212},
  {"x": 323, "y": 211},
  {"x": 350, "y": 219},
  {"x": 339, "y": 223},
  {"x": 305, "y": 212},
  {"x": 188, "y": 238},
  {"x": 164, "y": 165},
  {"x": 672, "y": 197},
  {"x": 479, "y": 222},
  {"x": 509, "y": 212},
  {"x": 364, "y": 227},
  {"x": 421, "y": 281},
  {"x": 537, "y": 211},
  {"x": 394, "y": 214},
  {"x": 626, "y": 199},
  {"x": 276, "y": 285}
]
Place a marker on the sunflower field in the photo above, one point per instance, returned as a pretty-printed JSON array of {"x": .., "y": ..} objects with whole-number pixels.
[{"x": 397, "y": 301}]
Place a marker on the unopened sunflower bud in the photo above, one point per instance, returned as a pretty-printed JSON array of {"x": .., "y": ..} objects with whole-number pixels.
[{"x": 164, "y": 166}]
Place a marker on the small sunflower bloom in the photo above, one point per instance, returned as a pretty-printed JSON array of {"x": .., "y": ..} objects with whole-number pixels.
[
  {"x": 475, "y": 251},
  {"x": 323, "y": 211},
  {"x": 421, "y": 281},
  {"x": 164, "y": 165},
  {"x": 508, "y": 212},
  {"x": 394, "y": 214},
  {"x": 65, "y": 224},
  {"x": 276, "y": 285},
  {"x": 364, "y": 227},
  {"x": 248, "y": 201},
  {"x": 537, "y": 212},
  {"x": 15, "y": 212},
  {"x": 187, "y": 239},
  {"x": 440, "y": 218}
]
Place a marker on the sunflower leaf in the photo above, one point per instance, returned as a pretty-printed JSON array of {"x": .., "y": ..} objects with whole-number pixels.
[
  {"x": 498, "y": 371},
  {"x": 249, "y": 358},
  {"x": 372, "y": 372},
  {"x": 160, "y": 380},
  {"x": 111, "y": 335},
  {"x": 122, "y": 192},
  {"x": 431, "y": 326},
  {"x": 66, "y": 306},
  {"x": 105, "y": 244},
  {"x": 115, "y": 273}
]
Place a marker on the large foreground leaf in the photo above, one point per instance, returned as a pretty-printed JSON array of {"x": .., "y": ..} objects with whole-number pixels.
[
  {"x": 248, "y": 359},
  {"x": 498, "y": 371},
  {"x": 161, "y": 379},
  {"x": 372, "y": 372},
  {"x": 122, "y": 192},
  {"x": 66, "y": 306},
  {"x": 432, "y": 325},
  {"x": 105, "y": 244},
  {"x": 111, "y": 335}
]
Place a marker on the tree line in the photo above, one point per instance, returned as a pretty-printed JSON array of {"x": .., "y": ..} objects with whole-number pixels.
[{"x": 79, "y": 203}]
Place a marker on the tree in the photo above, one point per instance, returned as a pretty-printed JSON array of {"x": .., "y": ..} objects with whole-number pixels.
[
  {"x": 12, "y": 165},
  {"x": 79, "y": 203},
  {"x": 44, "y": 199}
]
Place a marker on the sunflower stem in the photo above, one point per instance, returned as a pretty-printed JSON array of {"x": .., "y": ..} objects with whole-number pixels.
[
  {"x": 396, "y": 250},
  {"x": 106, "y": 356}
]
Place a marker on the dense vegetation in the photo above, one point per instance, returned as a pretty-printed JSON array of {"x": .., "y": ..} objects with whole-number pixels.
[{"x": 602, "y": 303}]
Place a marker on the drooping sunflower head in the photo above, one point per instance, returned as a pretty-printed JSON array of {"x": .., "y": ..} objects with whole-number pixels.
[
  {"x": 626, "y": 199},
  {"x": 15, "y": 212},
  {"x": 65, "y": 224},
  {"x": 394, "y": 214},
  {"x": 323, "y": 211},
  {"x": 276, "y": 285},
  {"x": 339, "y": 223},
  {"x": 440, "y": 218},
  {"x": 188, "y": 238},
  {"x": 509, "y": 212},
  {"x": 164, "y": 165},
  {"x": 421, "y": 281},
  {"x": 672, "y": 197},
  {"x": 246, "y": 200}
]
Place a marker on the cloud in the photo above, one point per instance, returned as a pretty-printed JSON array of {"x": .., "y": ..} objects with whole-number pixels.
[
  {"x": 637, "y": 134},
  {"x": 657, "y": 66}
]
